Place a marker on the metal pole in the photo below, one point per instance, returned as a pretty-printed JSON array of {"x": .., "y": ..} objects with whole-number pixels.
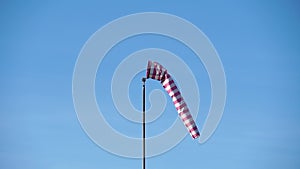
[{"x": 144, "y": 125}]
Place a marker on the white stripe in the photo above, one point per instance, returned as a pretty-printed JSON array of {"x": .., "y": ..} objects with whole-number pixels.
[
  {"x": 173, "y": 92},
  {"x": 170, "y": 86},
  {"x": 191, "y": 126},
  {"x": 194, "y": 132},
  {"x": 188, "y": 121},
  {"x": 151, "y": 69},
  {"x": 167, "y": 81},
  {"x": 179, "y": 104}
]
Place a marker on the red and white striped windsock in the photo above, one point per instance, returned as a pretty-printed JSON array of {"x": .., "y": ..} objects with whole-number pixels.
[{"x": 158, "y": 72}]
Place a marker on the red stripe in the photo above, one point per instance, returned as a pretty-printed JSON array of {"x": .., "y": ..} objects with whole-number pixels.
[
  {"x": 168, "y": 76},
  {"x": 171, "y": 81},
  {"x": 177, "y": 100},
  {"x": 177, "y": 93},
  {"x": 195, "y": 135},
  {"x": 153, "y": 74},
  {"x": 172, "y": 89},
  {"x": 181, "y": 106},
  {"x": 184, "y": 112},
  {"x": 190, "y": 124},
  {"x": 193, "y": 129}
]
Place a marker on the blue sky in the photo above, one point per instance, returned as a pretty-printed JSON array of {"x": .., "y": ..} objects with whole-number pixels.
[{"x": 258, "y": 43}]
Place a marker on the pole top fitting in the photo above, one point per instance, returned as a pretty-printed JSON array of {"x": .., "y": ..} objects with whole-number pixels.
[{"x": 144, "y": 79}]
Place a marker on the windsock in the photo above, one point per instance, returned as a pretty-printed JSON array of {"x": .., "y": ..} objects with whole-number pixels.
[{"x": 157, "y": 72}]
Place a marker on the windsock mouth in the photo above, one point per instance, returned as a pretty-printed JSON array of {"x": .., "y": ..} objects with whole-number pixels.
[{"x": 150, "y": 63}]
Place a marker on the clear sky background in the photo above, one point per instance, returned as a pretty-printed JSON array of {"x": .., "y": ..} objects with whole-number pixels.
[{"x": 258, "y": 43}]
